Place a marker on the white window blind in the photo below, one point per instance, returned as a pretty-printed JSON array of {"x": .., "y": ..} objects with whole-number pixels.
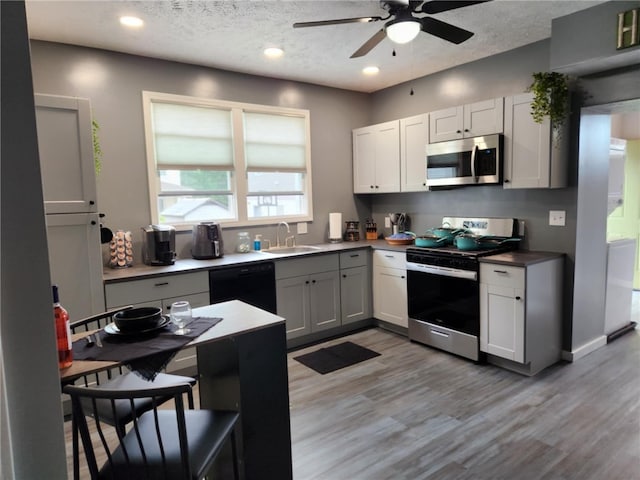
[
  {"x": 194, "y": 136},
  {"x": 275, "y": 142}
]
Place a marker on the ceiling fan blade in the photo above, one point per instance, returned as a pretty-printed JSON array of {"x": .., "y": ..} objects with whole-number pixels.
[
  {"x": 370, "y": 44},
  {"x": 437, "y": 6},
  {"x": 339, "y": 21},
  {"x": 444, "y": 30}
]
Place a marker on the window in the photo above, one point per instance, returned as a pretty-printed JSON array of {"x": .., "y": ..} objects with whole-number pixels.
[{"x": 238, "y": 164}]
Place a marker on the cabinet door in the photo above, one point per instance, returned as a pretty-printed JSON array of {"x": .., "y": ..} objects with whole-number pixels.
[
  {"x": 324, "y": 300},
  {"x": 364, "y": 160},
  {"x": 388, "y": 157},
  {"x": 484, "y": 118},
  {"x": 502, "y": 321},
  {"x": 390, "y": 295},
  {"x": 293, "y": 304},
  {"x": 75, "y": 262},
  {"x": 65, "y": 147},
  {"x": 527, "y": 145},
  {"x": 446, "y": 124},
  {"x": 355, "y": 296},
  {"x": 414, "y": 136}
]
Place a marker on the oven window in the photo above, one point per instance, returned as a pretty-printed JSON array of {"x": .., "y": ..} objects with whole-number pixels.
[
  {"x": 449, "y": 165},
  {"x": 445, "y": 301}
]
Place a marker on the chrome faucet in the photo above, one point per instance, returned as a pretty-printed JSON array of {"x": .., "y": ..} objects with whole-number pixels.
[{"x": 278, "y": 233}]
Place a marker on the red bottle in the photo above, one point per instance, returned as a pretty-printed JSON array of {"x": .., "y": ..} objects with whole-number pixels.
[{"x": 63, "y": 332}]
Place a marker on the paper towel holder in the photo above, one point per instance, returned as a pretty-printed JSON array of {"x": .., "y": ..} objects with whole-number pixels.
[{"x": 335, "y": 227}]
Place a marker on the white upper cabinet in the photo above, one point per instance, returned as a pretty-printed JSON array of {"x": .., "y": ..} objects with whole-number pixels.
[
  {"x": 376, "y": 158},
  {"x": 414, "y": 136},
  {"x": 472, "y": 120},
  {"x": 66, "y": 154},
  {"x": 534, "y": 155}
]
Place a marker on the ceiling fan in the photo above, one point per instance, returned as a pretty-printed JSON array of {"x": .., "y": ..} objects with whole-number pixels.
[{"x": 404, "y": 27}]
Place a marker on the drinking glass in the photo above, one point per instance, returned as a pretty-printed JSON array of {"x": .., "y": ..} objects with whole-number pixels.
[{"x": 181, "y": 316}]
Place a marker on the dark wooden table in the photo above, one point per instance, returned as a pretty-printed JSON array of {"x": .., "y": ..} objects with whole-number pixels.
[{"x": 242, "y": 365}]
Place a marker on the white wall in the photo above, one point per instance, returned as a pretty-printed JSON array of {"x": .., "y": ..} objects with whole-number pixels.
[{"x": 29, "y": 358}]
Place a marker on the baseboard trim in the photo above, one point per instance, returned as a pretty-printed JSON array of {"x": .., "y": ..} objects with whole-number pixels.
[{"x": 585, "y": 349}]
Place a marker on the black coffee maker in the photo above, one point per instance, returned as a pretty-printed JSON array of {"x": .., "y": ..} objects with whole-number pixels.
[{"x": 158, "y": 245}]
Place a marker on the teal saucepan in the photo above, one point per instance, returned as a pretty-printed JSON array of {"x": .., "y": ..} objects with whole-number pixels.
[{"x": 430, "y": 240}]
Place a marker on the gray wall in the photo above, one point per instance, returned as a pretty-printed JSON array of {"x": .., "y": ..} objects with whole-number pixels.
[
  {"x": 32, "y": 441},
  {"x": 114, "y": 82}
]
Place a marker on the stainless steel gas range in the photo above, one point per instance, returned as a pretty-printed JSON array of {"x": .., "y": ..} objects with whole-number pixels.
[{"x": 443, "y": 287}]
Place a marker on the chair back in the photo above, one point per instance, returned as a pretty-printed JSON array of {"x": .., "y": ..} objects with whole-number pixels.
[{"x": 155, "y": 447}]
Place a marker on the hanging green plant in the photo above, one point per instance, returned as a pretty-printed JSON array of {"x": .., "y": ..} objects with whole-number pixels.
[
  {"x": 97, "y": 150},
  {"x": 550, "y": 98}
]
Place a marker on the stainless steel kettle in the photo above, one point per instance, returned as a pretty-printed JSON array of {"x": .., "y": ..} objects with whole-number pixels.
[{"x": 207, "y": 241}]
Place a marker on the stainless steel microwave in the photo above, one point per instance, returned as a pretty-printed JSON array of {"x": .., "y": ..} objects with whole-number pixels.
[{"x": 467, "y": 161}]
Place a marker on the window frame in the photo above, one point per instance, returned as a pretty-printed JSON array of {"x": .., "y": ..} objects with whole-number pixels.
[{"x": 239, "y": 172}]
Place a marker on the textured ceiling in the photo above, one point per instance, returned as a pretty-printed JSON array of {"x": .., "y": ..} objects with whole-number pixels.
[{"x": 232, "y": 35}]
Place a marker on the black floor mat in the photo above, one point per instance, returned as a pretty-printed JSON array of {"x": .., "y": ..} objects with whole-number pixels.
[{"x": 333, "y": 358}]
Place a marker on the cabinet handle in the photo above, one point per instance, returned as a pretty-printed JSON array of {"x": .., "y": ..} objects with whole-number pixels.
[
  {"x": 91, "y": 202},
  {"x": 466, "y": 130},
  {"x": 307, "y": 282},
  {"x": 518, "y": 298},
  {"x": 161, "y": 284},
  {"x": 506, "y": 180},
  {"x": 355, "y": 255},
  {"x": 371, "y": 186},
  {"x": 402, "y": 276},
  {"x": 502, "y": 272},
  {"x": 377, "y": 186},
  {"x": 390, "y": 256},
  {"x": 313, "y": 281},
  {"x": 93, "y": 222},
  {"x": 458, "y": 131},
  {"x": 344, "y": 275}
]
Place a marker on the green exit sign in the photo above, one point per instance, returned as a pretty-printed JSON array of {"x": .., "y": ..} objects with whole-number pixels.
[{"x": 628, "y": 29}]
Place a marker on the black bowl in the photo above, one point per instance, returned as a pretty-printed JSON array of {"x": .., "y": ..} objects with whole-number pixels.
[{"x": 138, "y": 319}]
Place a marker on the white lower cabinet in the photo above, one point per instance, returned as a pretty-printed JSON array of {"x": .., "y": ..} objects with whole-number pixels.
[
  {"x": 308, "y": 294},
  {"x": 162, "y": 292},
  {"x": 521, "y": 314},
  {"x": 390, "y": 287}
]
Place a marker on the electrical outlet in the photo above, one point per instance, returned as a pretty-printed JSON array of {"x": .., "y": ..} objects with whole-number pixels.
[
  {"x": 521, "y": 228},
  {"x": 557, "y": 218},
  {"x": 387, "y": 222},
  {"x": 302, "y": 227}
]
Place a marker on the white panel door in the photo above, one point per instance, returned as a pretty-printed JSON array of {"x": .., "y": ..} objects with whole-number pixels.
[
  {"x": 75, "y": 261},
  {"x": 388, "y": 157},
  {"x": 502, "y": 321},
  {"x": 414, "y": 136}
]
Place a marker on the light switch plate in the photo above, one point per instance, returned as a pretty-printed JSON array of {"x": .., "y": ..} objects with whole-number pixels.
[
  {"x": 302, "y": 227},
  {"x": 557, "y": 218},
  {"x": 387, "y": 222}
]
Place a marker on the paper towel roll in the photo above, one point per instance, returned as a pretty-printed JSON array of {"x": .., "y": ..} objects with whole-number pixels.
[{"x": 335, "y": 227}]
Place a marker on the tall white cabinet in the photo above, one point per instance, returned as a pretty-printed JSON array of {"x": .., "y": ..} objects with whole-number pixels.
[
  {"x": 69, "y": 184},
  {"x": 376, "y": 158},
  {"x": 534, "y": 155}
]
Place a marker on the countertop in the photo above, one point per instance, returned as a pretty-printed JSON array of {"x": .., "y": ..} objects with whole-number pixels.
[
  {"x": 187, "y": 265},
  {"x": 520, "y": 258}
]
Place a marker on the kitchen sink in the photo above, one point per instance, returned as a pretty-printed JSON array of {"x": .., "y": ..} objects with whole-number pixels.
[{"x": 288, "y": 250}]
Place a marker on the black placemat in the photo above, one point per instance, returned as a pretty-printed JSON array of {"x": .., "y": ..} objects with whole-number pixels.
[
  {"x": 146, "y": 353},
  {"x": 329, "y": 359}
]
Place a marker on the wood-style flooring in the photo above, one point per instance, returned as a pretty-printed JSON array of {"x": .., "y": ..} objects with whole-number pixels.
[{"x": 416, "y": 413}]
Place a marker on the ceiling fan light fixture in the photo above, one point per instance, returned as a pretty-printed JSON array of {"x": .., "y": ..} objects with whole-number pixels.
[
  {"x": 403, "y": 30},
  {"x": 371, "y": 70}
]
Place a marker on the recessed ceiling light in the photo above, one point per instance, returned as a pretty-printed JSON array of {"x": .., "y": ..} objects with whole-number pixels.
[
  {"x": 273, "y": 52},
  {"x": 371, "y": 70},
  {"x": 131, "y": 22}
]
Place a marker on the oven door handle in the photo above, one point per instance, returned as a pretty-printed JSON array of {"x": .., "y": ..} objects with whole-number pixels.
[{"x": 442, "y": 271}]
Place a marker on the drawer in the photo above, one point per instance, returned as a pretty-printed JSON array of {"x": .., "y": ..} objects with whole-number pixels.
[
  {"x": 296, "y": 267},
  {"x": 389, "y": 259},
  {"x": 354, "y": 258},
  {"x": 156, "y": 288},
  {"x": 502, "y": 275}
]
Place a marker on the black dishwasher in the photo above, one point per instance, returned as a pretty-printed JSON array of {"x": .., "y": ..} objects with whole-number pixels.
[{"x": 253, "y": 283}]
